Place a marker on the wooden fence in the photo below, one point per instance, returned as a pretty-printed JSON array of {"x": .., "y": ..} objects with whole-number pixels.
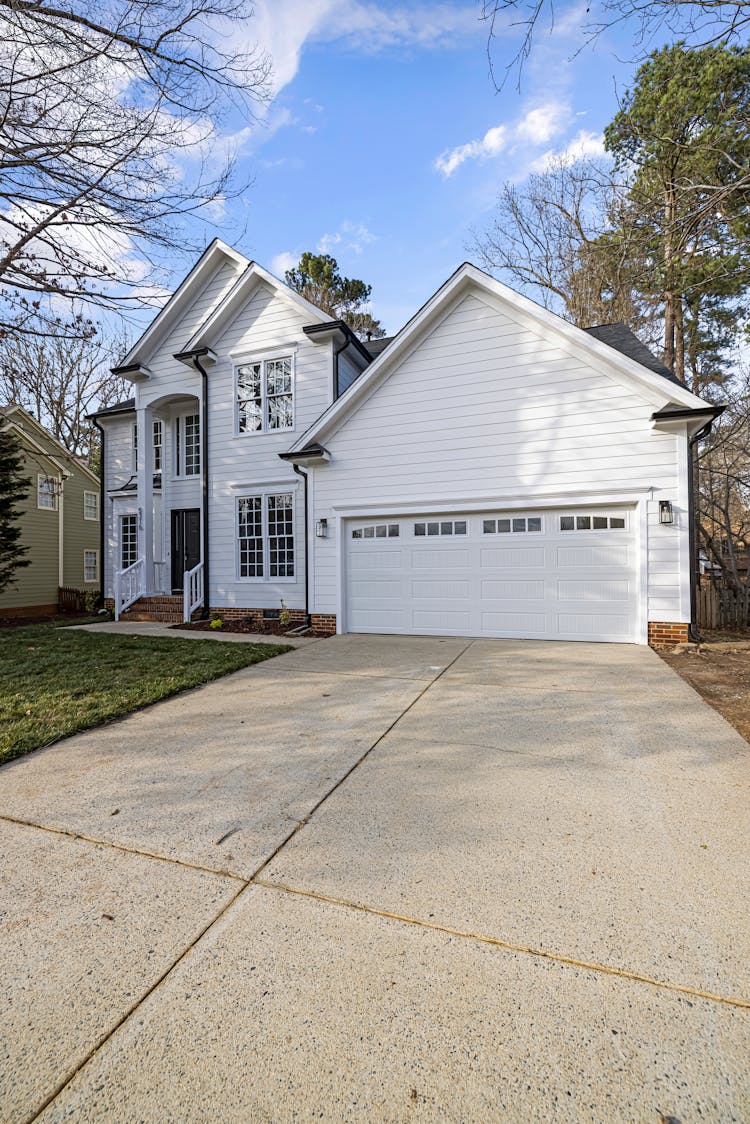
[
  {"x": 721, "y": 608},
  {"x": 72, "y": 600}
]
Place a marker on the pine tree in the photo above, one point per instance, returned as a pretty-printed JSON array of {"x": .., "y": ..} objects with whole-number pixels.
[{"x": 14, "y": 487}]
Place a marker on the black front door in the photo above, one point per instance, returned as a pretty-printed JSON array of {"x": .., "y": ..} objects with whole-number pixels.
[{"x": 186, "y": 544}]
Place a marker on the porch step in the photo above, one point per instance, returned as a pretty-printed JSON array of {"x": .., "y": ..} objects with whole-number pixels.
[{"x": 161, "y": 609}]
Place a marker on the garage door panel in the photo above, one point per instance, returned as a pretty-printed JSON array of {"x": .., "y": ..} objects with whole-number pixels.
[
  {"x": 531, "y": 583},
  {"x": 439, "y": 588},
  {"x": 512, "y": 558},
  {"x": 492, "y": 589},
  {"x": 588, "y": 590},
  {"x": 593, "y": 557}
]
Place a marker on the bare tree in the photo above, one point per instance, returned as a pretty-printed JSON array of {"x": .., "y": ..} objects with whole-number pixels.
[
  {"x": 702, "y": 22},
  {"x": 62, "y": 379},
  {"x": 108, "y": 119},
  {"x": 724, "y": 494},
  {"x": 552, "y": 236}
]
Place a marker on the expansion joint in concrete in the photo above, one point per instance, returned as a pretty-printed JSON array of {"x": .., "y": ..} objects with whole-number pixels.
[{"x": 507, "y": 946}]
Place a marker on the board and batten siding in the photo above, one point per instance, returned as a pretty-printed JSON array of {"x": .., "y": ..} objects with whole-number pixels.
[
  {"x": 241, "y": 464},
  {"x": 483, "y": 405}
]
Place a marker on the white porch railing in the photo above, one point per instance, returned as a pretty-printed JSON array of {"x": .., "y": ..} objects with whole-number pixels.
[
  {"x": 192, "y": 595},
  {"x": 129, "y": 586}
]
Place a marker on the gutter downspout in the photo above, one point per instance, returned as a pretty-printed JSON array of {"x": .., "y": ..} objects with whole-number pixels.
[
  {"x": 205, "y": 614},
  {"x": 301, "y": 472},
  {"x": 102, "y": 493}
]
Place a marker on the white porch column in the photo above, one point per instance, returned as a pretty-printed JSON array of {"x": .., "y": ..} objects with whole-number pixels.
[{"x": 145, "y": 475}]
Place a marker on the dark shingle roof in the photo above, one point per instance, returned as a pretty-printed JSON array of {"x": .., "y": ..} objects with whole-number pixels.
[
  {"x": 116, "y": 408},
  {"x": 376, "y": 346},
  {"x": 620, "y": 337}
]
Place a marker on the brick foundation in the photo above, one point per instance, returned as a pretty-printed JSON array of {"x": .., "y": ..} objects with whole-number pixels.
[
  {"x": 662, "y": 634},
  {"x": 320, "y": 622},
  {"x": 30, "y": 611}
]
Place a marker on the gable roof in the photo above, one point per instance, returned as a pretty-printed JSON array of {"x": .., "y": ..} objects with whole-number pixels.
[
  {"x": 622, "y": 339},
  {"x": 216, "y": 252},
  {"x": 61, "y": 457},
  {"x": 376, "y": 346},
  {"x": 467, "y": 278},
  {"x": 240, "y": 292},
  {"x": 125, "y": 407}
]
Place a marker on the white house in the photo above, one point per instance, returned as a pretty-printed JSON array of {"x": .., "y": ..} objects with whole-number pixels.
[{"x": 489, "y": 471}]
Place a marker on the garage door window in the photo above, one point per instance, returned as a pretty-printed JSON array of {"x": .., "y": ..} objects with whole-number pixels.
[
  {"x": 380, "y": 531},
  {"x": 444, "y": 527},
  {"x": 508, "y": 525},
  {"x": 592, "y": 522}
]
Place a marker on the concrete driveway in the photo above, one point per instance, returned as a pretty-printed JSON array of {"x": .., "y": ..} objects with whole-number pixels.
[{"x": 385, "y": 878}]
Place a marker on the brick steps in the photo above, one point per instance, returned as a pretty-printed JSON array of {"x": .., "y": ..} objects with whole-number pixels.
[{"x": 162, "y": 609}]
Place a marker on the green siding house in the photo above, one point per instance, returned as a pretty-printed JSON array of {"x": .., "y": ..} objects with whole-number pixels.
[{"x": 60, "y": 518}]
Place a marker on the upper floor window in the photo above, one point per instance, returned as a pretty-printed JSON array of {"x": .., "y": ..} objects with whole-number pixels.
[
  {"x": 90, "y": 505},
  {"x": 187, "y": 445},
  {"x": 46, "y": 493},
  {"x": 158, "y": 443},
  {"x": 265, "y": 396}
]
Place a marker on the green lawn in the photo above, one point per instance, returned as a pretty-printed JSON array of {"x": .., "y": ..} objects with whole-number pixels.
[{"x": 57, "y": 681}]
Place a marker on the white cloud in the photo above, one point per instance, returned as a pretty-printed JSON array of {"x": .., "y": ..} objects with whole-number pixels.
[
  {"x": 492, "y": 144},
  {"x": 282, "y": 262},
  {"x": 350, "y": 236},
  {"x": 584, "y": 145},
  {"x": 536, "y": 126},
  {"x": 540, "y": 124},
  {"x": 282, "y": 28}
]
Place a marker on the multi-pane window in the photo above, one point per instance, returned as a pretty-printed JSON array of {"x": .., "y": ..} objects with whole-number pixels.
[
  {"x": 250, "y": 535},
  {"x": 46, "y": 493},
  {"x": 90, "y": 565},
  {"x": 280, "y": 536},
  {"x": 592, "y": 522},
  {"x": 90, "y": 505},
  {"x": 265, "y": 534},
  {"x": 379, "y": 531},
  {"x": 188, "y": 445},
  {"x": 441, "y": 527},
  {"x": 128, "y": 541},
  {"x": 158, "y": 443},
  {"x": 265, "y": 396},
  {"x": 512, "y": 524}
]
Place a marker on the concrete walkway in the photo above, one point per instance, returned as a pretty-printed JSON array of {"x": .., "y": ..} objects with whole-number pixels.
[
  {"x": 153, "y": 628},
  {"x": 385, "y": 878}
]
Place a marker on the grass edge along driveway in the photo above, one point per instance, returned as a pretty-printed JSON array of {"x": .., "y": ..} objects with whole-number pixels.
[{"x": 55, "y": 682}]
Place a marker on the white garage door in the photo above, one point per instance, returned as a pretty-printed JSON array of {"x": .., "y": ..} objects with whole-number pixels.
[{"x": 552, "y": 575}]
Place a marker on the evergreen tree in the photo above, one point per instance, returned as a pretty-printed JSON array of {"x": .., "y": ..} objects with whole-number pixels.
[
  {"x": 14, "y": 487},
  {"x": 318, "y": 279}
]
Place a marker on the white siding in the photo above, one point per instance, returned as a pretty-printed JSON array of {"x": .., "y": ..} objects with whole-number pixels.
[
  {"x": 482, "y": 406},
  {"x": 268, "y": 324},
  {"x": 118, "y": 448}
]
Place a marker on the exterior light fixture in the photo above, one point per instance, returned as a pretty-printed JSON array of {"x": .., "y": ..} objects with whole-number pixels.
[
  {"x": 666, "y": 514},
  {"x": 321, "y": 529}
]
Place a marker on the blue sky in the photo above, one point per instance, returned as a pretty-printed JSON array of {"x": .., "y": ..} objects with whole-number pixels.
[{"x": 386, "y": 141}]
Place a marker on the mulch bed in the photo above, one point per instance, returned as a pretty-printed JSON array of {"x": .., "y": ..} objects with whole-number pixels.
[
  {"x": 266, "y": 628},
  {"x": 719, "y": 670}
]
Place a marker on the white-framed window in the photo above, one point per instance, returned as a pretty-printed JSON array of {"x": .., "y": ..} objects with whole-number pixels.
[
  {"x": 441, "y": 527},
  {"x": 90, "y": 505},
  {"x": 128, "y": 541},
  {"x": 513, "y": 525},
  {"x": 46, "y": 493},
  {"x": 158, "y": 444},
  {"x": 590, "y": 522},
  {"x": 265, "y": 537},
  {"x": 187, "y": 445},
  {"x": 378, "y": 531},
  {"x": 265, "y": 395},
  {"x": 91, "y": 565}
]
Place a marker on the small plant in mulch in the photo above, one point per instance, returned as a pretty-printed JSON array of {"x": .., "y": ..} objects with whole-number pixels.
[{"x": 216, "y": 624}]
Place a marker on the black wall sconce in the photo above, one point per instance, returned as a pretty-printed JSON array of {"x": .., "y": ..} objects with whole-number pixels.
[
  {"x": 666, "y": 514},
  {"x": 321, "y": 529}
]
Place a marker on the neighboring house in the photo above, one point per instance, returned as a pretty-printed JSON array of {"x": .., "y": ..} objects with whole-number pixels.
[
  {"x": 490, "y": 471},
  {"x": 60, "y": 518}
]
